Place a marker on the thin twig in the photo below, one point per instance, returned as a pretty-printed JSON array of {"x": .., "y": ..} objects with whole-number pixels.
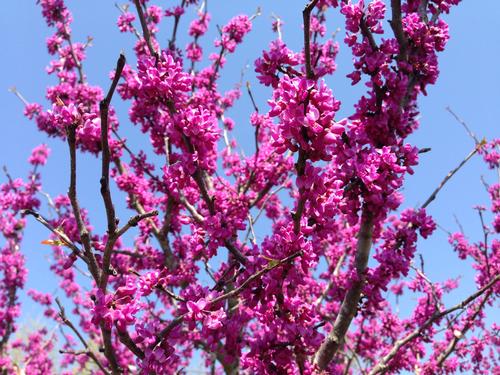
[
  {"x": 123, "y": 9},
  {"x": 14, "y": 90},
  {"x": 67, "y": 322},
  {"x": 60, "y": 234},
  {"x": 171, "y": 43},
  {"x": 133, "y": 221},
  {"x": 464, "y": 124},
  {"x": 78, "y": 64},
  {"x": 335, "y": 274},
  {"x": 449, "y": 176}
]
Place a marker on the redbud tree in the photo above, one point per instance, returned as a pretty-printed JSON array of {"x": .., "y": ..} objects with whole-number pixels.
[{"x": 186, "y": 275}]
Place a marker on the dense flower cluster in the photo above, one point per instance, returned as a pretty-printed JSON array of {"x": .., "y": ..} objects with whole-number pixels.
[
  {"x": 306, "y": 114},
  {"x": 258, "y": 261}
]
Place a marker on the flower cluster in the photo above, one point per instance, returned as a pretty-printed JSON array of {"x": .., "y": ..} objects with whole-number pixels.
[
  {"x": 306, "y": 112},
  {"x": 233, "y": 33},
  {"x": 258, "y": 260}
]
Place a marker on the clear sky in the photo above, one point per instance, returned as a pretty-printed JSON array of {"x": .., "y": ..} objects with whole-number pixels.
[{"x": 469, "y": 83}]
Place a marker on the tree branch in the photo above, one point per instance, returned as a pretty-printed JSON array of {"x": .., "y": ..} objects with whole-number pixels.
[
  {"x": 349, "y": 306},
  {"x": 106, "y": 161},
  {"x": 233, "y": 293},
  {"x": 449, "y": 176},
  {"x": 306, "y": 15},
  {"x": 145, "y": 30},
  {"x": 126, "y": 340},
  {"x": 60, "y": 234},
  {"x": 133, "y": 221},
  {"x": 397, "y": 27},
  {"x": 72, "y": 195},
  {"x": 383, "y": 364},
  {"x": 456, "y": 337},
  {"x": 67, "y": 322}
]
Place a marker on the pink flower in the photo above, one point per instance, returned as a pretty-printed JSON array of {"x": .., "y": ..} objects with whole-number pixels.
[
  {"x": 39, "y": 155},
  {"x": 196, "y": 308}
]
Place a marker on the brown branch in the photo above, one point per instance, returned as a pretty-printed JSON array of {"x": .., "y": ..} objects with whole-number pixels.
[
  {"x": 133, "y": 221},
  {"x": 422, "y": 10},
  {"x": 60, "y": 234},
  {"x": 383, "y": 364},
  {"x": 108, "y": 349},
  {"x": 145, "y": 30},
  {"x": 110, "y": 210},
  {"x": 368, "y": 34},
  {"x": 449, "y": 176},
  {"x": 126, "y": 340},
  {"x": 252, "y": 99},
  {"x": 72, "y": 195},
  {"x": 67, "y": 322},
  {"x": 397, "y": 27},
  {"x": 306, "y": 15},
  {"x": 163, "y": 242},
  {"x": 165, "y": 331},
  {"x": 75, "y": 352},
  {"x": 262, "y": 194},
  {"x": 192, "y": 210},
  {"x": 349, "y": 306},
  {"x": 67, "y": 36},
  {"x": 171, "y": 43},
  {"x": 106, "y": 161},
  {"x": 458, "y": 336},
  {"x": 300, "y": 167},
  {"x": 235, "y": 252},
  {"x": 202, "y": 185}
]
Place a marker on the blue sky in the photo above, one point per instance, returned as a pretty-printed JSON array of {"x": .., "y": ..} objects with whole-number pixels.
[{"x": 469, "y": 83}]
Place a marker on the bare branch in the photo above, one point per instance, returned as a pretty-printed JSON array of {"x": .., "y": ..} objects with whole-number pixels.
[
  {"x": 72, "y": 195},
  {"x": 464, "y": 124},
  {"x": 397, "y": 27},
  {"x": 145, "y": 30},
  {"x": 349, "y": 306},
  {"x": 272, "y": 265},
  {"x": 123, "y": 9},
  {"x": 449, "y": 176},
  {"x": 133, "y": 221},
  {"x": 177, "y": 17},
  {"x": 368, "y": 34},
  {"x": 306, "y": 15},
  {"x": 382, "y": 365},
  {"x": 126, "y": 340},
  {"x": 300, "y": 167},
  {"x": 106, "y": 161},
  {"x": 78, "y": 64},
  {"x": 67, "y": 322},
  {"x": 60, "y": 234}
]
